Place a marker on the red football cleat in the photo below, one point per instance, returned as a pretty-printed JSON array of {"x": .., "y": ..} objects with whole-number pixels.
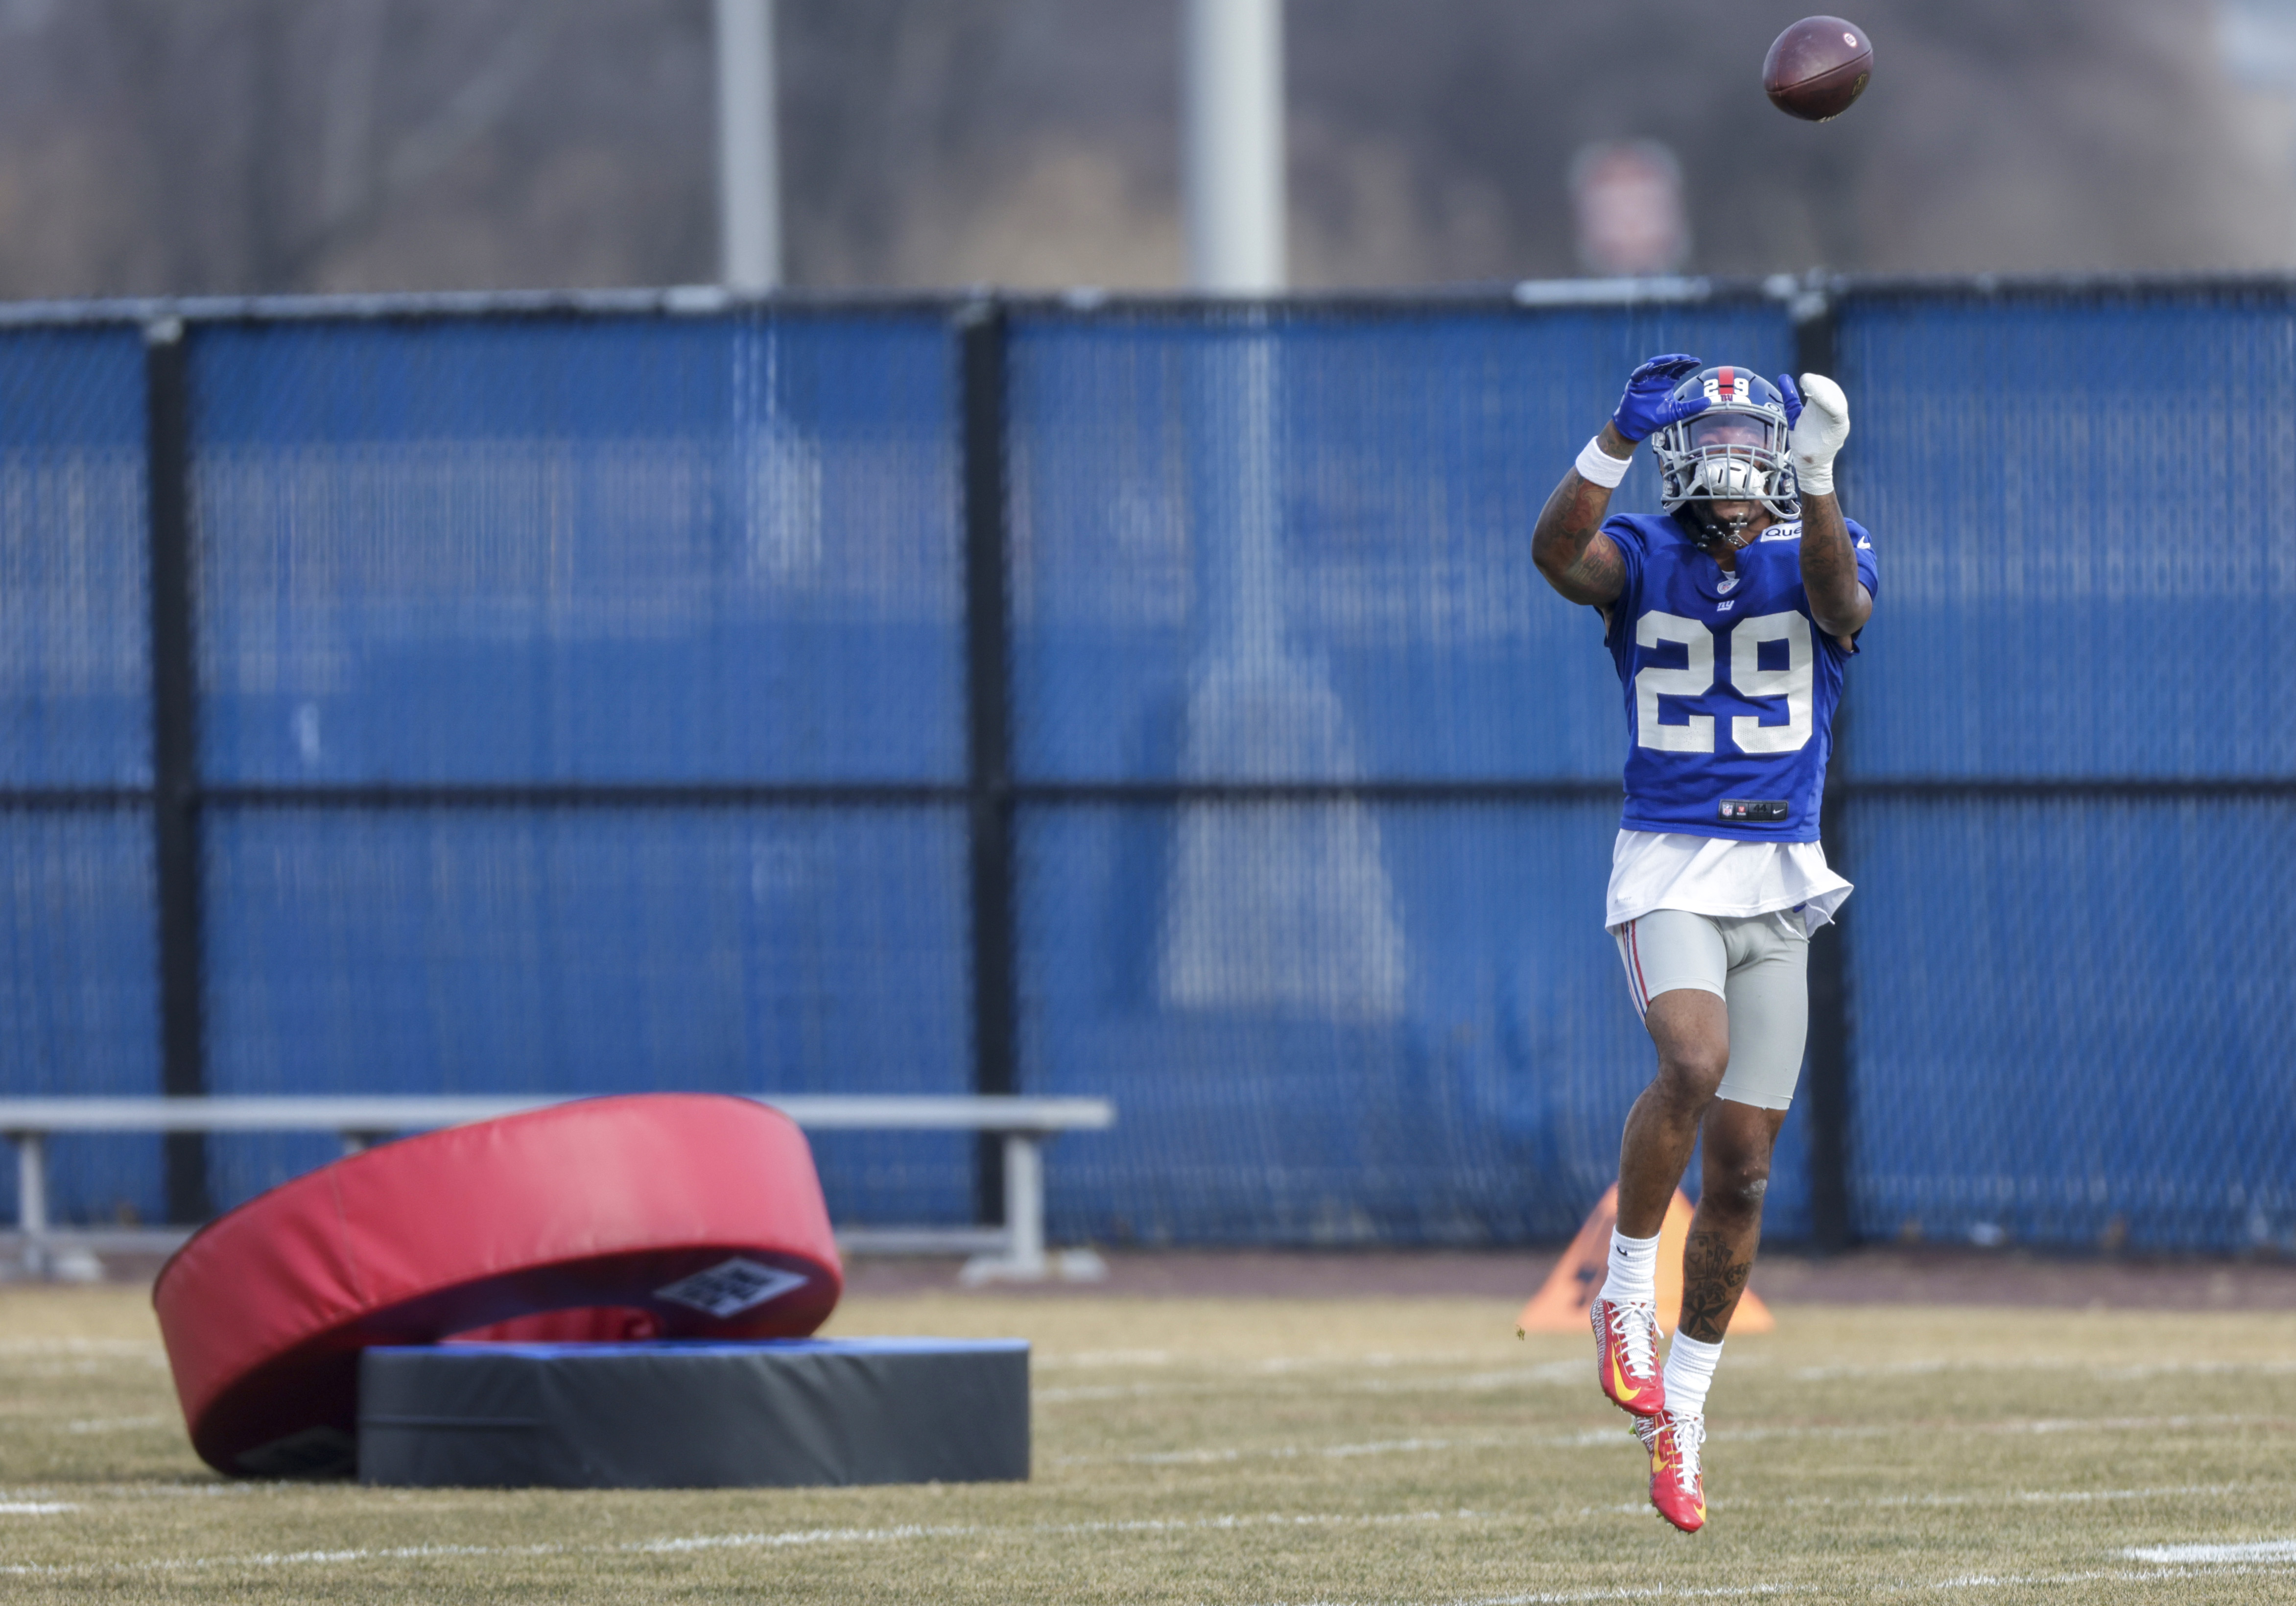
[
  {"x": 1625, "y": 1354},
  {"x": 1678, "y": 1483}
]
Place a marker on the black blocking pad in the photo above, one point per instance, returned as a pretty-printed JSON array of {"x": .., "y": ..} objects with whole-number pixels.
[{"x": 695, "y": 1414}]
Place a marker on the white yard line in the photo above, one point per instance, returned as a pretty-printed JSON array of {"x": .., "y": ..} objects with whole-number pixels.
[
  {"x": 2262, "y": 1550},
  {"x": 1087, "y": 1392},
  {"x": 2106, "y": 1575},
  {"x": 2105, "y": 1371},
  {"x": 116, "y": 1424},
  {"x": 1589, "y": 1438},
  {"x": 1573, "y": 1371},
  {"x": 35, "y": 1508},
  {"x": 1545, "y": 1373},
  {"x": 1481, "y": 1355},
  {"x": 1967, "y": 1582},
  {"x": 815, "y": 1536},
  {"x": 1568, "y": 1597},
  {"x": 2057, "y": 1424},
  {"x": 675, "y": 1545},
  {"x": 1721, "y": 1592},
  {"x": 1393, "y": 1446},
  {"x": 1377, "y": 1359},
  {"x": 236, "y": 1488},
  {"x": 1218, "y": 1378},
  {"x": 1085, "y": 1358},
  {"x": 2215, "y": 1560},
  {"x": 2020, "y": 1497}
]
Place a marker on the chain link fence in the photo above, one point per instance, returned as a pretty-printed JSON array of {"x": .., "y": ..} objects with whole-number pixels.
[{"x": 1151, "y": 700}]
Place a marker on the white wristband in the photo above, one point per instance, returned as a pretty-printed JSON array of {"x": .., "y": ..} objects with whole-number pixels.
[
  {"x": 1598, "y": 467},
  {"x": 1813, "y": 480}
]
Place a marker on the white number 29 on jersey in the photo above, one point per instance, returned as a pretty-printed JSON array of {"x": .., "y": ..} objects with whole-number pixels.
[{"x": 1695, "y": 679}]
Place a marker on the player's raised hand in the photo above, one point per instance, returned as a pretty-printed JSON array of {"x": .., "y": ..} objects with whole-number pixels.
[
  {"x": 1646, "y": 405},
  {"x": 1818, "y": 422}
]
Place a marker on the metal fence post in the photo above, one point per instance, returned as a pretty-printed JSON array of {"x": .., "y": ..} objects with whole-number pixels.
[
  {"x": 32, "y": 1199},
  {"x": 1024, "y": 1203},
  {"x": 996, "y": 1005},
  {"x": 1831, "y": 1022},
  {"x": 175, "y": 759}
]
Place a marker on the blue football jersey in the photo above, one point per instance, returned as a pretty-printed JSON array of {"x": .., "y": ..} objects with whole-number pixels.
[{"x": 1730, "y": 685}]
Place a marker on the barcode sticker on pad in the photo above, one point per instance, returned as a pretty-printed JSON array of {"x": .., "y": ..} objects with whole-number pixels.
[{"x": 731, "y": 1286}]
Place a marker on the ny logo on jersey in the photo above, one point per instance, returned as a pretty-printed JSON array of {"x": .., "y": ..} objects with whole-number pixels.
[{"x": 1747, "y": 679}]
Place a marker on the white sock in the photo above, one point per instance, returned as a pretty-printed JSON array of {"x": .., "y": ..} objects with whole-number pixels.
[
  {"x": 1633, "y": 1269},
  {"x": 1689, "y": 1373}
]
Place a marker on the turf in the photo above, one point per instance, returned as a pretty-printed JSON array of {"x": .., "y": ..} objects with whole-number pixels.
[{"x": 1276, "y": 1451}]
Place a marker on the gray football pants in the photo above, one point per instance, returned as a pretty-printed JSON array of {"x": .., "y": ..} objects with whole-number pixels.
[{"x": 1757, "y": 966}]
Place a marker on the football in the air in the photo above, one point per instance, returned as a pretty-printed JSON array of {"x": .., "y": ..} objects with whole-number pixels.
[{"x": 1818, "y": 67}]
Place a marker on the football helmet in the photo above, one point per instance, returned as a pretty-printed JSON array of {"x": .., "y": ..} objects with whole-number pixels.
[{"x": 1733, "y": 450}]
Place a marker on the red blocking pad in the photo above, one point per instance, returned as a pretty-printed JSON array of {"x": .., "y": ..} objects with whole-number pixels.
[{"x": 698, "y": 1214}]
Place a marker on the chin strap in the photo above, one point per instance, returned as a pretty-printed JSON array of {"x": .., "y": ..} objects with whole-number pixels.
[{"x": 1730, "y": 532}]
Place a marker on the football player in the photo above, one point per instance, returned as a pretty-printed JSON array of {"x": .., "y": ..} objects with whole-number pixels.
[{"x": 1731, "y": 617}]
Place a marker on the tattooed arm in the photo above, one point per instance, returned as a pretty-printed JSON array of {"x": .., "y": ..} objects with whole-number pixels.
[
  {"x": 1817, "y": 414},
  {"x": 1568, "y": 543},
  {"x": 1838, "y": 600}
]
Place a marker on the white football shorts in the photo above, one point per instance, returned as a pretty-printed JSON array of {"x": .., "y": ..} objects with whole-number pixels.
[{"x": 1757, "y": 965}]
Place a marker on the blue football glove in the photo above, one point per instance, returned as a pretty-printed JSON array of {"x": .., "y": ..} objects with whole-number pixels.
[
  {"x": 1645, "y": 406},
  {"x": 1792, "y": 393}
]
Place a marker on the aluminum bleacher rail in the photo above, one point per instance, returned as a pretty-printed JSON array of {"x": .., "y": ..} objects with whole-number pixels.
[{"x": 1013, "y": 1252}]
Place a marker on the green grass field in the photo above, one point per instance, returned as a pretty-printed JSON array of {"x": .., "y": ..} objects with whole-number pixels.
[{"x": 1263, "y": 1451}]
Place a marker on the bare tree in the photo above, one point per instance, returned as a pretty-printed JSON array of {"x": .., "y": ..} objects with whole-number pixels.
[
  {"x": 258, "y": 145},
  {"x": 236, "y": 145}
]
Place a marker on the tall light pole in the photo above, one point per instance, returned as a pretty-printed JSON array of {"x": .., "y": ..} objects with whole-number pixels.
[
  {"x": 749, "y": 153},
  {"x": 1232, "y": 145},
  {"x": 1263, "y": 909}
]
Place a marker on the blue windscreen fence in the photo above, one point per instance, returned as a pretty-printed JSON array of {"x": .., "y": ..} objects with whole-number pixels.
[
  {"x": 591, "y": 699},
  {"x": 2073, "y": 765}
]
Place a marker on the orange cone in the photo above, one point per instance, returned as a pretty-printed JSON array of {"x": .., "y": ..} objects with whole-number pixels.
[{"x": 1561, "y": 1306}]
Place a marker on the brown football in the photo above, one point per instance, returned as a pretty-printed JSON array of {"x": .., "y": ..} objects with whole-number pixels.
[{"x": 1818, "y": 67}]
